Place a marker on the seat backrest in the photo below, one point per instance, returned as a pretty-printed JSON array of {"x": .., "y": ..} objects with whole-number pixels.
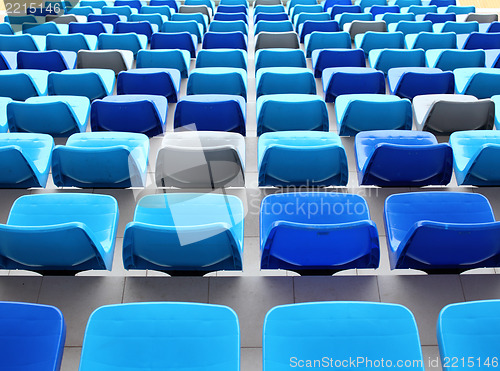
[{"x": 266, "y": 40}]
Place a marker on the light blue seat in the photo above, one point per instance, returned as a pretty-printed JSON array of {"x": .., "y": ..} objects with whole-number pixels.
[
  {"x": 174, "y": 58},
  {"x": 287, "y": 112},
  {"x": 369, "y": 3},
  {"x": 428, "y": 40},
  {"x": 496, "y": 100},
  {"x": 290, "y": 5},
  {"x": 362, "y": 112},
  {"x": 390, "y": 18},
  {"x": 301, "y": 158},
  {"x": 52, "y": 60},
  {"x": 14, "y": 43},
  {"x": 151, "y": 81},
  {"x": 62, "y": 233},
  {"x": 410, "y": 27},
  {"x": 232, "y": 58},
  {"x": 234, "y": 2},
  {"x": 492, "y": 58},
  {"x": 23, "y": 84},
  {"x": 437, "y": 235},
  {"x": 185, "y": 233},
  {"x": 379, "y": 40},
  {"x": 72, "y": 42},
  {"x": 123, "y": 10},
  {"x": 468, "y": 328},
  {"x": 202, "y": 19},
  {"x": 326, "y": 40},
  {"x": 345, "y": 18},
  {"x": 408, "y": 82},
  {"x": 109, "y": 160},
  {"x": 328, "y": 58},
  {"x": 402, "y": 158},
  {"x": 476, "y": 157},
  {"x": 157, "y": 9},
  {"x": 269, "y": 9},
  {"x": 451, "y": 59},
  {"x": 339, "y": 81},
  {"x": 92, "y": 83},
  {"x": 231, "y": 26},
  {"x": 479, "y": 82},
  {"x": 405, "y": 3},
  {"x": 316, "y": 243},
  {"x": 300, "y": 332},
  {"x": 60, "y": 115},
  {"x": 6, "y": 29},
  {"x": 309, "y": 27},
  {"x": 94, "y": 4},
  {"x": 265, "y": 58},
  {"x": 284, "y": 80},
  {"x": 25, "y": 159},
  {"x": 420, "y": 9},
  {"x": 3, "y": 114},
  {"x": 217, "y": 80},
  {"x": 299, "y": 19},
  {"x": 193, "y": 27},
  {"x": 305, "y": 8},
  {"x": 273, "y": 26},
  {"x": 124, "y": 41},
  {"x": 385, "y": 59},
  {"x": 160, "y": 334},
  {"x": 173, "y": 4},
  {"x": 456, "y": 9},
  {"x": 44, "y": 29},
  {"x": 457, "y": 27},
  {"x": 230, "y": 17},
  {"x": 82, "y": 10},
  {"x": 8, "y": 61}
]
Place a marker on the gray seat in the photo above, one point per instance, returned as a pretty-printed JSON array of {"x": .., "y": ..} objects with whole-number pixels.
[
  {"x": 203, "y": 9},
  {"x": 116, "y": 60},
  {"x": 62, "y": 19},
  {"x": 270, "y": 40},
  {"x": 443, "y": 114},
  {"x": 481, "y": 17},
  {"x": 267, "y": 2},
  {"x": 359, "y": 27}
]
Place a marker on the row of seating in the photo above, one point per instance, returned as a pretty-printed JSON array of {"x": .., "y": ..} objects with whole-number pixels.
[{"x": 207, "y": 336}]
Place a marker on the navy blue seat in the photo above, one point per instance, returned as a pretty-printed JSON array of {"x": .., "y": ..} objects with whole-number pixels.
[
  {"x": 382, "y": 9},
  {"x": 329, "y": 58},
  {"x": 229, "y": 17},
  {"x": 441, "y": 231},
  {"x": 140, "y": 28},
  {"x": 153, "y": 81},
  {"x": 478, "y": 40},
  {"x": 408, "y": 82},
  {"x": 328, "y": 4},
  {"x": 112, "y": 18},
  {"x": 494, "y": 27},
  {"x": 52, "y": 60},
  {"x": 170, "y": 3},
  {"x": 232, "y": 9},
  {"x": 225, "y": 40},
  {"x": 181, "y": 40},
  {"x": 270, "y": 17},
  {"x": 88, "y": 28},
  {"x": 351, "y": 80},
  {"x": 344, "y": 8},
  {"x": 440, "y": 17},
  {"x": 309, "y": 27},
  {"x": 136, "y": 4}
]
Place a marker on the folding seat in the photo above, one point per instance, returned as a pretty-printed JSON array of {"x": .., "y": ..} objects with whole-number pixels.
[
  {"x": 305, "y": 8},
  {"x": 408, "y": 82},
  {"x": 363, "y": 112},
  {"x": 339, "y": 81},
  {"x": 428, "y": 40},
  {"x": 329, "y": 4},
  {"x": 443, "y": 114},
  {"x": 478, "y": 40},
  {"x": 44, "y": 29},
  {"x": 273, "y": 26},
  {"x": 181, "y": 40},
  {"x": 163, "y": 10},
  {"x": 153, "y": 81},
  {"x": 306, "y": 332},
  {"x": 14, "y": 43},
  {"x": 405, "y": 3},
  {"x": 116, "y": 60},
  {"x": 493, "y": 27},
  {"x": 217, "y": 80},
  {"x": 492, "y": 59},
  {"x": 284, "y": 80},
  {"x": 48, "y": 60},
  {"x": 323, "y": 240},
  {"x": 110, "y": 160},
  {"x": 140, "y": 28},
  {"x": 134, "y": 4},
  {"x": 410, "y": 27},
  {"x": 379, "y": 40},
  {"x": 451, "y": 59},
  {"x": 23, "y": 84},
  {"x": 33, "y": 334},
  {"x": 357, "y": 27},
  {"x": 124, "y": 10},
  {"x": 402, "y": 158},
  {"x": 193, "y": 27},
  {"x": 309, "y": 27},
  {"x": 344, "y": 8},
  {"x": 301, "y": 18},
  {"x": 228, "y": 26},
  {"x": 8, "y": 60},
  {"x": 124, "y": 41},
  {"x": 84, "y": 11},
  {"x": 211, "y": 112},
  {"x": 110, "y": 19},
  {"x": 346, "y": 18},
  {"x": 203, "y": 159},
  {"x": 480, "y": 82},
  {"x": 389, "y": 18},
  {"x": 443, "y": 3},
  {"x": 233, "y": 58},
  {"x": 225, "y": 40},
  {"x": 230, "y": 17},
  {"x": 72, "y": 42},
  {"x": 231, "y": 9},
  {"x": 383, "y": 9},
  {"x": 3, "y": 114},
  {"x": 25, "y": 159},
  {"x": 420, "y": 9},
  {"x": 481, "y": 17},
  {"x": 456, "y": 27},
  {"x": 329, "y": 58},
  {"x": 198, "y": 8},
  {"x": 90, "y": 28},
  {"x": 269, "y": 9},
  {"x": 156, "y": 20},
  {"x": 185, "y": 234},
  {"x": 270, "y": 17},
  {"x": 60, "y": 233},
  {"x": 269, "y": 40},
  {"x": 201, "y": 19},
  {"x": 95, "y": 4},
  {"x": 266, "y": 2},
  {"x": 265, "y": 58},
  {"x": 210, "y": 4},
  {"x": 445, "y": 232},
  {"x": 130, "y": 113},
  {"x": 290, "y": 5},
  {"x": 385, "y": 59},
  {"x": 13, "y": 19},
  {"x": 170, "y": 3},
  {"x": 6, "y": 29},
  {"x": 87, "y": 82},
  {"x": 369, "y": 3},
  {"x": 301, "y": 158},
  {"x": 463, "y": 10},
  {"x": 326, "y": 40},
  {"x": 287, "y": 112},
  {"x": 439, "y": 17}
]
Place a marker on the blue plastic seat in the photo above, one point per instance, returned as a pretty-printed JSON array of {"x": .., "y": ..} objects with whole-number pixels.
[
  {"x": 232, "y": 58},
  {"x": 402, "y": 158},
  {"x": 305, "y": 8},
  {"x": 225, "y": 40},
  {"x": 124, "y": 41},
  {"x": 162, "y": 333},
  {"x": 73, "y": 42},
  {"x": 3, "y": 114},
  {"x": 63, "y": 233},
  {"x": 480, "y": 82},
  {"x": 269, "y": 9},
  {"x": 369, "y": 3},
  {"x": 394, "y": 18},
  {"x": 235, "y": 2},
  {"x": 344, "y": 8},
  {"x": 110, "y": 160},
  {"x": 273, "y": 26},
  {"x": 345, "y": 18},
  {"x": 379, "y": 40},
  {"x": 326, "y": 40},
  {"x": 329, "y": 58},
  {"x": 193, "y": 27},
  {"x": 14, "y": 43},
  {"x": 322, "y": 242},
  {"x": 232, "y": 9},
  {"x": 23, "y": 84},
  {"x": 87, "y": 82},
  {"x": 444, "y": 232},
  {"x": 338, "y": 81},
  {"x": 94, "y": 4},
  {"x": 478, "y": 40},
  {"x": 382, "y": 9},
  {"x": 108, "y": 18},
  {"x": 363, "y": 112},
  {"x": 450, "y": 59},
  {"x": 265, "y": 58},
  {"x": 408, "y": 82},
  {"x": 19, "y": 19},
  {"x": 410, "y": 27},
  {"x": 386, "y": 59},
  {"x": 52, "y": 61},
  {"x": 90, "y": 28},
  {"x": 429, "y": 40},
  {"x": 405, "y": 3},
  {"x": 81, "y": 10},
  {"x": 457, "y": 27},
  {"x": 163, "y": 10},
  {"x": 217, "y": 80},
  {"x": 33, "y": 336},
  {"x": 153, "y": 81},
  {"x": 181, "y": 40},
  {"x": 287, "y": 112},
  {"x": 304, "y": 17},
  {"x": 123, "y": 10},
  {"x": 139, "y": 27},
  {"x": 284, "y": 80},
  {"x": 440, "y": 17},
  {"x": 228, "y": 26},
  {"x": 200, "y": 18},
  {"x": 309, "y": 27},
  {"x": 6, "y": 29},
  {"x": 493, "y": 27},
  {"x": 185, "y": 233},
  {"x": 170, "y": 3},
  {"x": 208, "y": 3},
  {"x": 301, "y": 158},
  {"x": 329, "y": 4},
  {"x": 174, "y": 58},
  {"x": 25, "y": 159},
  {"x": 130, "y": 113},
  {"x": 59, "y": 115},
  {"x": 44, "y": 29},
  {"x": 270, "y": 17},
  {"x": 134, "y": 4},
  {"x": 229, "y": 17},
  {"x": 290, "y": 5}
]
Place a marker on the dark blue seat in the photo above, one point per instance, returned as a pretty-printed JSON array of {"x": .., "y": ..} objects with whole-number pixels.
[
  {"x": 339, "y": 9},
  {"x": 271, "y": 17},
  {"x": 137, "y": 4},
  {"x": 320, "y": 242},
  {"x": 153, "y": 81},
  {"x": 441, "y": 232},
  {"x": 443, "y": 3},
  {"x": 225, "y": 40},
  {"x": 440, "y": 17},
  {"x": 52, "y": 61},
  {"x": 323, "y": 26},
  {"x": 87, "y": 28},
  {"x": 494, "y": 27},
  {"x": 408, "y": 82},
  {"x": 229, "y": 17},
  {"x": 232, "y": 9},
  {"x": 382, "y": 9},
  {"x": 328, "y": 4},
  {"x": 478, "y": 40},
  {"x": 140, "y": 28},
  {"x": 104, "y": 18},
  {"x": 351, "y": 80},
  {"x": 170, "y": 3},
  {"x": 181, "y": 40}
]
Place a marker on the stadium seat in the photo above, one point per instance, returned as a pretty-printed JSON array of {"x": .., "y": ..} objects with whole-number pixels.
[
  {"x": 8, "y": 60},
  {"x": 52, "y": 61},
  {"x": 394, "y": 18},
  {"x": 139, "y": 27},
  {"x": 383, "y": 9},
  {"x": 345, "y": 18},
  {"x": 269, "y": 9},
  {"x": 330, "y": 58},
  {"x": 15, "y": 43},
  {"x": 429, "y": 40},
  {"x": 265, "y": 58},
  {"x": 408, "y": 82},
  {"x": 198, "y": 8},
  {"x": 343, "y": 8},
  {"x": 478, "y": 40},
  {"x": 173, "y": 58},
  {"x": 90, "y": 28},
  {"x": 23, "y": 84},
  {"x": 87, "y": 82},
  {"x": 482, "y": 17},
  {"x": 284, "y": 80},
  {"x": 3, "y": 114},
  {"x": 43, "y": 29},
  {"x": 123, "y": 10},
  {"x": 170, "y": 3},
  {"x": 379, "y": 40},
  {"x": 450, "y": 59},
  {"x": 109, "y": 18},
  {"x": 116, "y": 60},
  {"x": 232, "y": 9},
  {"x": 153, "y": 81},
  {"x": 359, "y": 26},
  {"x": 163, "y": 10},
  {"x": 308, "y": 27},
  {"x": 6, "y": 29},
  {"x": 456, "y": 27},
  {"x": 326, "y": 40},
  {"x": 386, "y": 59},
  {"x": 134, "y": 4},
  {"x": 301, "y": 18},
  {"x": 181, "y": 40},
  {"x": 225, "y": 40},
  {"x": 192, "y": 27},
  {"x": 156, "y": 20},
  {"x": 124, "y": 41},
  {"x": 351, "y": 80},
  {"x": 273, "y": 26},
  {"x": 229, "y": 17},
  {"x": 369, "y": 3},
  {"x": 440, "y": 17},
  {"x": 480, "y": 82},
  {"x": 72, "y": 42},
  {"x": 228, "y": 26},
  {"x": 217, "y": 80},
  {"x": 232, "y": 58},
  {"x": 321, "y": 240},
  {"x": 269, "y": 40},
  {"x": 410, "y": 27}
]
